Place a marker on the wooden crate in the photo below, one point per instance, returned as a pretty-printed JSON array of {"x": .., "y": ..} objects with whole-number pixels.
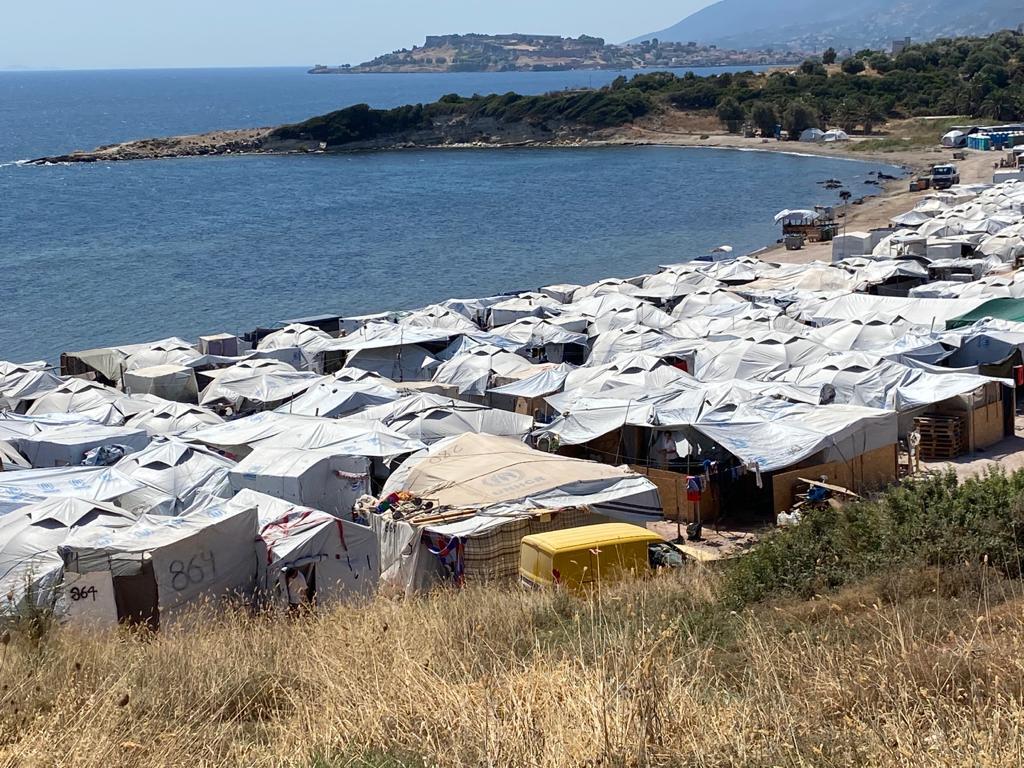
[{"x": 942, "y": 437}]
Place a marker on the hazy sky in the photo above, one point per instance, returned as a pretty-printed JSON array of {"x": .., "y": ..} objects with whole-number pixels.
[{"x": 80, "y": 34}]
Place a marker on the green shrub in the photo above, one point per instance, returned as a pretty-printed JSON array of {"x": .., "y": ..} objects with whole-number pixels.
[{"x": 931, "y": 522}]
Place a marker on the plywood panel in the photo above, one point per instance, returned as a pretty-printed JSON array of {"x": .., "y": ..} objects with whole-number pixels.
[
  {"x": 988, "y": 425},
  {"x": 868, "y": 472}
]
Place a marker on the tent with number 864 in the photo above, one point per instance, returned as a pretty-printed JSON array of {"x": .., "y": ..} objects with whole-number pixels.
[{"x": 159, "y": 565}]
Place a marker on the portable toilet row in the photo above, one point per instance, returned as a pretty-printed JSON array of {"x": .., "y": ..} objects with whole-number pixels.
[{"x": 979, "y": 141}]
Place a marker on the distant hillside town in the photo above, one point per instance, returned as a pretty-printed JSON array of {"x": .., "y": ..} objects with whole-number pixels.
[{"x": 538, "y": 53}]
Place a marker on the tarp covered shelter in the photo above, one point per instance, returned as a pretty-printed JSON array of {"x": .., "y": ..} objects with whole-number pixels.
[
  {"x": 429, "y": 418},
  {"x": 281, "y": 430},
  {"x": 331, "y": 398},
  {"x": 168, "y": 418},
  {"x": 170, "y": 382},
  {"x": 483, "y": 471},
  {"x": 27, "y": 486}
]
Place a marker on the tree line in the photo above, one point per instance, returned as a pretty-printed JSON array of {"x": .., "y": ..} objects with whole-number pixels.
[{"x": 979, "y": 77}]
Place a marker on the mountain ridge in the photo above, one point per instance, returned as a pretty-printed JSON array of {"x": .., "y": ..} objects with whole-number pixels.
[{"x": 810, "y": 25}]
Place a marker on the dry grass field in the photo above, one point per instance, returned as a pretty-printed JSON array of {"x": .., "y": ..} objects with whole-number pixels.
[{"x": 925, "y": 668}]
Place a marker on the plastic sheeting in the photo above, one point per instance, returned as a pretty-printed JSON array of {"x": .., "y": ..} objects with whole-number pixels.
[
  {"x": 30, "y": 567},
  {"x": 776, "y": 435},
  {"x": 170, "y": 382},
  {"x": 332, "y": 398},
  {"x": 343, "y": 558}
]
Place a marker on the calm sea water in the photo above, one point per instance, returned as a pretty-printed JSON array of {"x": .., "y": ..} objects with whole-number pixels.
[{"x": 102, "y": 254}]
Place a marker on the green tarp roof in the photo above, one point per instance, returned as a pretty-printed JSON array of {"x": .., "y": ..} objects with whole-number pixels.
[{"x": 1001, "y": 309}]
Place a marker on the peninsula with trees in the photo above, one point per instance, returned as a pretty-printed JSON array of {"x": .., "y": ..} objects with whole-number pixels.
[
  {"x": 974, "y": 78},
  {"x": 540, "y": 53}
]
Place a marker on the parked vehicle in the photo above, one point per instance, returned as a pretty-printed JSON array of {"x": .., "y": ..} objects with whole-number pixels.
[
  {"x": 945, "y": 176},
  {"x": 578, "y": 558}
]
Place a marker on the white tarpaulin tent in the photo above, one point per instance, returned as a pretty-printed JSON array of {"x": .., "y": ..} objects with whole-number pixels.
[
  {"x": 471, "y": 373},
  {"x": 281, "y": 430},
  {"x": 208, "y": 552},
  {"x": 954, "y": 139},
  {"x": 100, "y": 403},
  {"x": 20, "y": 383},
  {"x": 28, "y": 486},
  {"x": 482, "y": 471},
  {"x": 429, "y": 418},
  {"x": 774, "y": 434},
  {"x": 339, "y": 559},
  {"x": 320, "y": 479},
  {"x": 865, "y": 380},
  {"x": 331, "y": 398},
  {"x": 30, "y": 567},
  {"x": 179, "y": 473},
  {"x": 168, "y": 418},
  {"x": 67, "y": 445},
  {"x": 260, "y": 390},
  {"x": 170, "y": 382},
  {"x": 540, "y": 384}
]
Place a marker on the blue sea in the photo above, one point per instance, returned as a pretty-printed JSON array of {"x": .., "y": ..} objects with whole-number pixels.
[{"x": 101, "y": 254}]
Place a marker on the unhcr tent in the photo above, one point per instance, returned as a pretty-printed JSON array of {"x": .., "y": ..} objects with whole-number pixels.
[
  {"x": 339, "y": 559},
  {"x": 331, "y": 398},
  {"x": 483, "y": 471},
  {"x": 429, "y": 418},
  {"x": 168, "y": 418},
  {"x": 22, "y": 487},
  {"x": 314, "y": 478},
  {"x": 175, "y": 475},
  {"x": 151, "y": 570},
  {"x": 29, "y": 565},
  {"x": 281, "y": 430},
  {"x": 67, "y": 445}
]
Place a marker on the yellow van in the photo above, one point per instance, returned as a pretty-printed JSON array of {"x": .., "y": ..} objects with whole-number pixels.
[{"x": 580, "y": 557}]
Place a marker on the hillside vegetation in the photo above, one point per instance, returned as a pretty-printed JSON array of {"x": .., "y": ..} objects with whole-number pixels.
[
  {"x": 981, "y": 77},
  {"x": 809, "y": 25},
  {"x": 889, "y": 633}
]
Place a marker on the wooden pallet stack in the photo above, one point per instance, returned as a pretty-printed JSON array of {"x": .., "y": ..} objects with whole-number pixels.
[{"x": 942, "y": 437}]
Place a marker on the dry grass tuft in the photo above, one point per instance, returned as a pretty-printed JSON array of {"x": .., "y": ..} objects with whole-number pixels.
[{"x": 923, "y": 669}]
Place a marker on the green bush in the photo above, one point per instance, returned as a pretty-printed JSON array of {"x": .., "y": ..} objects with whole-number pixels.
[{"x": 931, "y": 522}]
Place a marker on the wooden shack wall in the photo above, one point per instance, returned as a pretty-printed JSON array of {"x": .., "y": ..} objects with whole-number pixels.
[
  {"x": 672, "y": 490},
  {"x": 867, "y": 472}
]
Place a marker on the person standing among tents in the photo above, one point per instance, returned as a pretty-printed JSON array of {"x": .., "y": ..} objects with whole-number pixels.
[{"x": 297, "y": 588}]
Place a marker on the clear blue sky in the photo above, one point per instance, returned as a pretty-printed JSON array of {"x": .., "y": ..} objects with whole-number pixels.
[{"x": 88, "y": 34}]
